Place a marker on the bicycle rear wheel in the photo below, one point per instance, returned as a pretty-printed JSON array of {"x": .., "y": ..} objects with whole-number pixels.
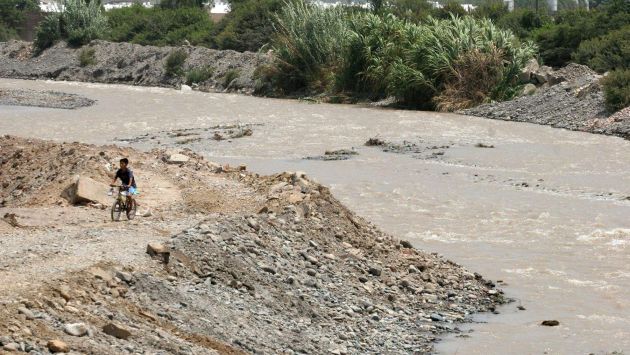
[
  {"x": 116, "y": 210},
  {"x": 131, "y": 209}
]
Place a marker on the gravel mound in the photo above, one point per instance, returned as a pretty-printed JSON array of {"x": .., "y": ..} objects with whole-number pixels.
[
  {"x": 303, "y": 274},
  {"x": 131, "y": 64},
  {"x": 577, "y": 103},
  {"x": 50, "y": 99}
]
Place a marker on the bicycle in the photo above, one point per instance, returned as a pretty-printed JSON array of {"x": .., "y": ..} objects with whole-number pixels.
[{"x": 124, "y": 202}]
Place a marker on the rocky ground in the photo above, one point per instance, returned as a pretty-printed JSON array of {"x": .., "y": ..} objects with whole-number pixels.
[
  {"x": 50, "y": 99},
  {"x": 571, "y": 98},
  {"x": 131, "y": 64},
  {"x": 222, "y": 261}
]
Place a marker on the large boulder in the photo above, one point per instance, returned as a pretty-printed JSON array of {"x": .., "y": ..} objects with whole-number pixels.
[
  {"x": 178, "y": 159},
  {"x": 542, "y": 75},
  {"x": 85, "y": 190},
  {"x": 528, "y": 71}
]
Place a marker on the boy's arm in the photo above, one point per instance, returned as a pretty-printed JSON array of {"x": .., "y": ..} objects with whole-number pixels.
[{"x": 115, "y": 178}]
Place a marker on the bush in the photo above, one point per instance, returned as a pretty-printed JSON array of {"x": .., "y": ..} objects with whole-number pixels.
[
  {"x": 48, "y": 32},
  {"x": 475, "y": 76},
  {"x": 310, "y": 42},
  {"x": 617, "y": 89},
  {"x": 609, "y": 52},
  {"x": 434, "y": 55},
  {"x": 450, "y": 9},
  {"x": 12, "y": 15},
  {"x": 522, "y": 22},
  {"x": 83, "y": 21},
  {"x": 560, "y": 39},
  {"x": 174, "y": 65},
  {"x": 87, "y": 57},
  {"x": 229, "y": 77},
  {"x": 198, "y": 75},
  {"x": 80, "y": 22},
  {"x": 6, "y": 33},
  {"x": 411, "y": 10},
  {"x": 492, "y": 9},
  {"x": 328, "y": 50},
  {"x": 248, "y": 26},
  {"x": 161, "y": 27}
]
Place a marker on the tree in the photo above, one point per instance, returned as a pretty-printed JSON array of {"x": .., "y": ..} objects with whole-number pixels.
[{"x": 175, "y": 4}]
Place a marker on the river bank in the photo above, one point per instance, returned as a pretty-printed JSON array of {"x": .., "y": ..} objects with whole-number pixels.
[
  {"x": 132, "y": 64},
  {"x": 570, "y": 98},
  {"x": 271, "y": 263}
]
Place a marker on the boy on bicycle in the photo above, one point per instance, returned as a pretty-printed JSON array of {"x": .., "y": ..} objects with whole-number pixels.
[{"x": 126, "y": 177}]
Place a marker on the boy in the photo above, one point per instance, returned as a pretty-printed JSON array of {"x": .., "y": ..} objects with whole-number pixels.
[{"x": 126, "y": 177}]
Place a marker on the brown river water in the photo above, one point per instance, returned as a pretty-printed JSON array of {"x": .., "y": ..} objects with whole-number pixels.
[{"x": 547, "y": 211}]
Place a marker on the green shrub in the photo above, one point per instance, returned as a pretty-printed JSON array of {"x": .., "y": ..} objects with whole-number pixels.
[
  {"x": 229, "y": 77},
  {"x": 48, "y": 32},
  {"x": 617, "y": 89},
  {"x": 6, "y": 33},
  {"x": 83, "y": 21},
  {"x": 609, "y": 52},
  {"x": 12, "y": 15},
  {"x": 451, "y": 8},
  {"x": 417, "y": 66},
  {"x": 80, "y": 22},
  {"x": 560, "y": 39},
  {"x": 174, "y": 65},
  {"x": 248, "y": 26},
  {"x": 198, "y": 75},
  {"x": 331, "y": 51},
  {"x": 491, "y": 9},
  {"x": 175, "y": 4},
  {"x": 87, "y": 57},
  {"x": 411, "y": 10},
  {"x": 161, "y": 27},
  {"x": 522, "y": 22},
  {"x": 309, "y": 43}
]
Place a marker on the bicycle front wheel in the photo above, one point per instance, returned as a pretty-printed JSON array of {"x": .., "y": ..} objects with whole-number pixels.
[{"x": 116, "y": 210}]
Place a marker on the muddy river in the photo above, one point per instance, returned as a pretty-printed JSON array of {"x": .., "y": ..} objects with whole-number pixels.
[{"x": 547, "y": 211}]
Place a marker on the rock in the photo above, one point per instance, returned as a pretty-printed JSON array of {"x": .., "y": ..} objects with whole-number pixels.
[
  {"x": 542, "y": 75},
  {"x": 11, "y": 347},
  {"x": 295, "y": 198},
  {"x": 177, "y": 158},
  {"x": 253, "y": 224},
  {"x": 124, "y": 276},
  {"x": 406, "y": 244},
  {"x": 550, "y": 323},
  {"x": 375, "y": 271},
  {"x": 86, "y": 190},
  {"x": 57, "y": 346},
  {"x": 26, "y": 312},
  {"x": 528, "y": 89},
  {"x": 527, "y": 72},
  {"x": 436, "y": 317},
  {"x": 76, "y": 329},
  {"x": 158, "y": 251},
  {"x": 268, "y": 269},
  {"x": 116, "y": 331}
]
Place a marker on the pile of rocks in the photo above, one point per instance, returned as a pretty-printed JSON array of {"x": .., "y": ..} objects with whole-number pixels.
[
  {"x": 130, "y": 64},
  {"x": 306, "y": 275},
  {"x": 570, "y": 97},
  {"x": 303, "y": 275}
]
